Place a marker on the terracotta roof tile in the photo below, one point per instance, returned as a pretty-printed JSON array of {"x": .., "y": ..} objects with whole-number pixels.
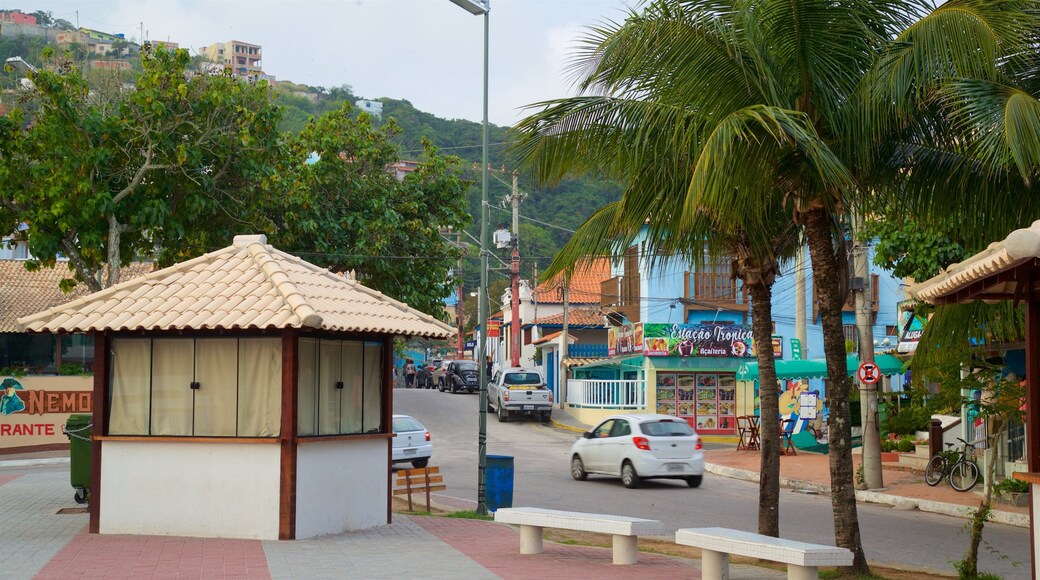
[
  {"x": 584, "y": 286},
  {"x": 1020, "y": 245},
  {"x": 249, "y": 284},
  {"x": 23, "y": 292},
  {"x": 553, "y": 337},
  {"x": 576, "y": 316}
]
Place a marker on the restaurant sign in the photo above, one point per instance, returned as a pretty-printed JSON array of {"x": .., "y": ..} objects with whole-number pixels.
[
  {"x": 625, "y": 339},
  {"x": 34, "y": 409},
  {"x": 703, "y": 340}
]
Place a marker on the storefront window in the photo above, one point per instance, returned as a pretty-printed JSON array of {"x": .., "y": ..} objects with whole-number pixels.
[
  {"x": 32, "y": 354},
  {"x": 340, "y": 387},
  {"x": 706, "y": 400},
  {"x": 77, "y": 354},
  {"x": 205, "y": 387}
]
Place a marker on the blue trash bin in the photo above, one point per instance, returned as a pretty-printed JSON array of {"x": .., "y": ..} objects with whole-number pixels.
[{"x": 498, "y": 479}]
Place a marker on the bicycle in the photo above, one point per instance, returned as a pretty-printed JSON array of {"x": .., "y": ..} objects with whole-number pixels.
[{"x": 956, "y": 467}]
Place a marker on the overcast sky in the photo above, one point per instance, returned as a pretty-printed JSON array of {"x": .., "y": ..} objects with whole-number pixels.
[{"x": 429, "y": 52}]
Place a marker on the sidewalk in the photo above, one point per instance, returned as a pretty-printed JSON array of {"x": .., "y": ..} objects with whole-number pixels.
[
  {"x": 39, "y": 542},
  {"x": 811, "y": 471}
]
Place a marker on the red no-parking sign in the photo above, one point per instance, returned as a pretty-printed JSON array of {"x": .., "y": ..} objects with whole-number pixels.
[{"x": 869, "y": 373}]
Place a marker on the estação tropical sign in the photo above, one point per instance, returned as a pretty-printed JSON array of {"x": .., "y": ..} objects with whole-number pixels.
[{"x": 705, "y": 340}]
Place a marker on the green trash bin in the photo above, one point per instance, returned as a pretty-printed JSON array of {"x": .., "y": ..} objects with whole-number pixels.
[
  {"x": 499, "y": 481},
  {"x": 78, "y": 430}
]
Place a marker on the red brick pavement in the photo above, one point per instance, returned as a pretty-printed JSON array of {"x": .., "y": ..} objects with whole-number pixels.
[
  {"x": 9, "y": 478},
  {"x": 497, "y": 548},
  {"x": 814, "y": 467},
  {"x": 90, "y": 556}
]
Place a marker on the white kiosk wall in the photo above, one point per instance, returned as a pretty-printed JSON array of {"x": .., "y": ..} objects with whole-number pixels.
[{"x": 341, "y": 486}]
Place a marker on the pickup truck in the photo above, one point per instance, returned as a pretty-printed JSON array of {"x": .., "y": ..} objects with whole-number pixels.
[{"x": 519, "y": 391}]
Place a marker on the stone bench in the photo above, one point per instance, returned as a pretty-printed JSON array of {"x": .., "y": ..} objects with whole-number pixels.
[
  {"x": 803, "y": 559},
  {"x": 533, "y": 521}
]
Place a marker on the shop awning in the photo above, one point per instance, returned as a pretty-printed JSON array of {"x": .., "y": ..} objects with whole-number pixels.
[{"x": 817, "y": 368}]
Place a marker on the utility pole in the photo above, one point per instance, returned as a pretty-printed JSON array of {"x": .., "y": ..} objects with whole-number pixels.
[
  {"x": 565, "y": 346},
  {"x": 461, "y": 346},
  {"x": 872, "y": 476},
  {"x": 514, "y": 327},
  {"x": 799, "y": 302}
]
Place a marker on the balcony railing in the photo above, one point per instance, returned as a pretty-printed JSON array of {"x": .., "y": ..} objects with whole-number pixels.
[
  {"x": 713, "y": 289},
  {"x": 609, "y": 394},
  {"x": 587, "y": 350},
  {"x": 620, "y": 294}
]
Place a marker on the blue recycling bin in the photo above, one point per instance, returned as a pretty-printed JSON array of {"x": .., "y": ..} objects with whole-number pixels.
[{"x": 498, "y": 478}]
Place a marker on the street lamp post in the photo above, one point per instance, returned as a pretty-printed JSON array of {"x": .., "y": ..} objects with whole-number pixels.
[{"x": 477, "y": 8}]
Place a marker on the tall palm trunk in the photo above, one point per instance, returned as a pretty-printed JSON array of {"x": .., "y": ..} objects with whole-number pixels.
[
  {"x": 769, "y": 477},
  {"x": 826, "y": 280}
]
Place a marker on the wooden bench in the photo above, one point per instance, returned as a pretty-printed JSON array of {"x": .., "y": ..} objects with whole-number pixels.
[
  {"x": 421, "y": 480},
  {"x": 803, "y": 560},
  {"x": 533, "y": 521}
]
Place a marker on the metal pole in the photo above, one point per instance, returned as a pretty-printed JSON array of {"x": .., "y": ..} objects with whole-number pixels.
[
  {"x": 872, "y": 473},
  {"x": 514, "y": 342},
  {"x": 483, "y": 294}
]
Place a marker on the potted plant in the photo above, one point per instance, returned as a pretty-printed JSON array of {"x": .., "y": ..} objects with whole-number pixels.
[{"x": 1013, "y": 491}]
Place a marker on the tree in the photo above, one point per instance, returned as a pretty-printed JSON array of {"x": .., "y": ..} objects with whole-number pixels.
[
  {"x": 347, "y": 210},
  {"x": 805, "y": 100},
  {"x": 43, "y": 18},
  {"x": 168, "y": 171}
]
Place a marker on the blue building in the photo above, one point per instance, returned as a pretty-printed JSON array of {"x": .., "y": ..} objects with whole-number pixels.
[{"x": 681, "y": 336}]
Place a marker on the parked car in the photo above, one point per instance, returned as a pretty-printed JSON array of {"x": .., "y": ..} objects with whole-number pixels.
[
  {"x": 519, "y": 391},
  {"x": 637, "y": 447},
  {"x": 439, "y": 373},
  {"x": 423, "y": 377},
  {"x": 411, "y": 442},
  {"x": 434, "y": 363},
  {"x": 462, "y": 375}
]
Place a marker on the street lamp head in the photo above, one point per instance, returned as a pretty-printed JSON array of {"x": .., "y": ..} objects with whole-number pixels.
[{"x": 474, "y": 7}]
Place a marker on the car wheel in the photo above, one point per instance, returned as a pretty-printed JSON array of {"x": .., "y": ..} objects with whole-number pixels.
[
  {"x": 694, "y": 480},
  {"x": 420, "y": 463},
  {"x": 440, "y": 385},
  {"x": 503, "y": 415},
  {"x": 629, "y": 477},
  {"x": 578, "y": 468}
]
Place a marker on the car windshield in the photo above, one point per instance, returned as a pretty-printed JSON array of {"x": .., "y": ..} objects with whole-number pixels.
[
  {"x": 523, "y": 379},
  {"x": 402, "y": 424},
  {"x": 467, "y": 366},
  {"x": 666, "y": 428}
]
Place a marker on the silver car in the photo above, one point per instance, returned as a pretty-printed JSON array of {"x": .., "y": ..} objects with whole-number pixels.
[
  {"x": 411, "y": 442},
  {"x": 637, "y": 447}
]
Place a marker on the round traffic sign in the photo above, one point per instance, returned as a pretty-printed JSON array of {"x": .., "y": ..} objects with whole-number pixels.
[{"x": 869, "y": 373}]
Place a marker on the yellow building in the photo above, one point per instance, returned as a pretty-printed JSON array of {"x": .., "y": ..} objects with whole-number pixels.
[{"x": 242, "y": 58}]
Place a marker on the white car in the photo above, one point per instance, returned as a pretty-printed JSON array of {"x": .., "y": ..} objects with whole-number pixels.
[
  {"x": 411, "y": 442},
  {"x": 637, "y": 447}
]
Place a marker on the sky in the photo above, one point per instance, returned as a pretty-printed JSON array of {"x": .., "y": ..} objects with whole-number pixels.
[{"x": 429, "y": 52}]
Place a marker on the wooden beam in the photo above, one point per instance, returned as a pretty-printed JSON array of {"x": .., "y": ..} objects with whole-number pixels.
[
  {"x": 288, "y": 435},
  {"x": 388, "y": 419},
  {"x": 99, "y": 418},
  {"x": 980, "y": 289},
  {"x": 1032, "y": 408}
]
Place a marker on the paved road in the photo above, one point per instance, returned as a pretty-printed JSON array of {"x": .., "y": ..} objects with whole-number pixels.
[{"x": 910, "y": 539}]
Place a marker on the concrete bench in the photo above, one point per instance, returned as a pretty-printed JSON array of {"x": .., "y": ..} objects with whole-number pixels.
[
  {"x": 533, "y": 521},
  {"x": 803, "y": 560}
]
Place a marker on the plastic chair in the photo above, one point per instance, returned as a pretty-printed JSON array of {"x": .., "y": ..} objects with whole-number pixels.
[{"x": 786, "y": 430}]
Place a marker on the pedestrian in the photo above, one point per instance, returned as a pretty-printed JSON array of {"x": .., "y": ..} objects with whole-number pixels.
[
  {"x": 490, "y": 366},
  {"x": 409, "y": 374}
]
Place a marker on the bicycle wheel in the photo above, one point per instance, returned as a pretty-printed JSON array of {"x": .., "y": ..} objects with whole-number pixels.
[
  {"x": 933, "y": 474},
  {"x": 964, "y": 476}
]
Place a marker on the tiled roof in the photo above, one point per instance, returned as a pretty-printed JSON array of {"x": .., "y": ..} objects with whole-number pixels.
[
  {"x": 576, "y": 316},
  {"x": 249, "y": 284},
  {"x": 573, "y": 361},
  {"x": 554, "y": 336},
  {"x": 23, "y": 292},
  {"x": 584, "y": 286},
  {"x": 1020, "y": 245}
]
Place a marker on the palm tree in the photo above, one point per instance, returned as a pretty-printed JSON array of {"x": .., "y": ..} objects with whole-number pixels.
[
  {"x": 797, "y": 99},
  {"x": 756, "y": 261}
]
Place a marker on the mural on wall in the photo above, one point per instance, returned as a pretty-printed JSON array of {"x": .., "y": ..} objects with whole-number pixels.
[
  {"x": 10, "y": 402},
  {"x": 805, "y": 407},
  {"x": 703, "y": 340}
]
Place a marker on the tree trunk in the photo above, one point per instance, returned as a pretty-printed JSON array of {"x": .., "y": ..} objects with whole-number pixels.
[
  {"x": 114, "y": 232},
  {"x": 843, "y": 491},
  {"x": 970, "y": 567},
  {"x": 769, "y": 478}
]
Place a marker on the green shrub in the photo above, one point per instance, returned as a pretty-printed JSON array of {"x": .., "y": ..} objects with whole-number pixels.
[
  {"x": 887, "y": 445},
  {"x": 909, "y": 420},
  {"x": 1012, "y": 486},
  {"x": 905, "y": 445},
  {"x": 69, "y": 369}
]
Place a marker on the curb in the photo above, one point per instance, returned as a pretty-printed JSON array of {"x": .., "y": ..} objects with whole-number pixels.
[
  {"x": 32, "y": 462},
  {"x": 565, "y": 426},
  {"x": 898, "y": 502}
]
